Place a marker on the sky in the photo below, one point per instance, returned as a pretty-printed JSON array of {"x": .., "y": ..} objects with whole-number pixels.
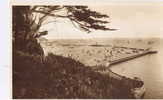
[{"x": 131, "y": 20}]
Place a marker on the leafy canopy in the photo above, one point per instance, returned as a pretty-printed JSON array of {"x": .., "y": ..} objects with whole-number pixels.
[{"x": 81, "y": 16}]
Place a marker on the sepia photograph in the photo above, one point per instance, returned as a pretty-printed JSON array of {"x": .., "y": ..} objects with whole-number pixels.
[{"x": 102, "y": 51}]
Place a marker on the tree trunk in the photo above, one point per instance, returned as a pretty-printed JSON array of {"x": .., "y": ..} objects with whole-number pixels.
[{"x": 23, "y": 32}]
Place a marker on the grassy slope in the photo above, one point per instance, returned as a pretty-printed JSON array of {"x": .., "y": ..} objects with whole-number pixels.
[{"x": 60, "y": 77}]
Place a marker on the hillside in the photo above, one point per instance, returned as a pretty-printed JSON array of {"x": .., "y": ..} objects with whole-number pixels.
[{"x": 62, "y": 77}]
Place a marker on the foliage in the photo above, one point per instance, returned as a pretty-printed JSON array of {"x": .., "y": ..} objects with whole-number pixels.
[
  {"x": 61, "y": 77},
  {"x": 81, "y": 17},
  {"x": 37, "y": 76},
  {"x": 27, "y": 21}
]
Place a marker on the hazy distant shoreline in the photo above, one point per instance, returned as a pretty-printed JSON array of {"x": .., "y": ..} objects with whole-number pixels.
[
  {"x": 98, "y": 51},
  {"x": 101, "y": 56}
]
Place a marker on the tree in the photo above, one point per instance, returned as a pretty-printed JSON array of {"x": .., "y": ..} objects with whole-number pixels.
[
  {"x": 27, "y": 21},
  {"x": 78, "y": 15}
]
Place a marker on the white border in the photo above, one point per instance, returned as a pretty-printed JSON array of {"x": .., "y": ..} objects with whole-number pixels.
[
  {"x": 5, "y": 54},
  {"x": 5, "y": 39}
]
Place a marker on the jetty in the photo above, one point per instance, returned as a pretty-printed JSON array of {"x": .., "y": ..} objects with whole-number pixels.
[
  {"x": 146, "y": 52},
  {"x": 135, "y": 85}
]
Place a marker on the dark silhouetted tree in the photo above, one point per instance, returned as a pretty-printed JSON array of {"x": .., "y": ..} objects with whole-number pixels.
[{"x": 27, "y": 21}]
